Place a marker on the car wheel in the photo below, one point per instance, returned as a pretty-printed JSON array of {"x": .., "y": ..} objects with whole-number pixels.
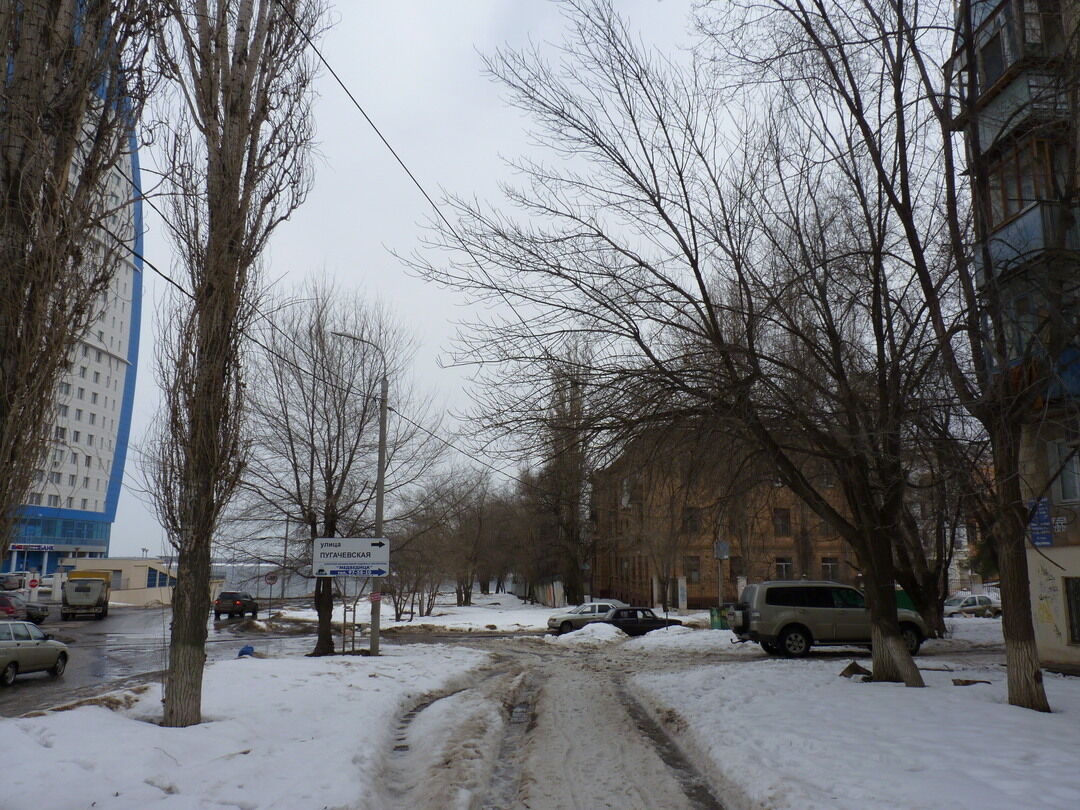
[
  {"x": 770, "y": 648},
  {"x": 794, "y": 642},
  {"x": 7, "y": 677},
  {"x": 912, "y": 638},
  {"x": 565, "y": 627},
  {"x": 59, "y": 667}
]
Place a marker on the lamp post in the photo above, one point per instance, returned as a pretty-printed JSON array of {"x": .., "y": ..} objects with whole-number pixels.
[{"x": 380, "y": 473}]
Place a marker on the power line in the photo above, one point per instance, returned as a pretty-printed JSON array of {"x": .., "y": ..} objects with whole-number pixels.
[{"x": 416, "y": 182}]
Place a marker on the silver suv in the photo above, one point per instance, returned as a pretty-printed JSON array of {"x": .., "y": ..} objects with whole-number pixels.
[{"x": 788, "y": 618}]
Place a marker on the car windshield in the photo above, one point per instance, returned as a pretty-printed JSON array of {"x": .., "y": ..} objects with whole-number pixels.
[{"x": 954, "y": 600}]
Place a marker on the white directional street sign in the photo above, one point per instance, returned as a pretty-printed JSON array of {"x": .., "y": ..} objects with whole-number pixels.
[{"x": 351, "y": 557}]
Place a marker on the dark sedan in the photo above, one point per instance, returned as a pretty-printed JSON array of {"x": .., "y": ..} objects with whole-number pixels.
[{"x": 637, "y": 621}]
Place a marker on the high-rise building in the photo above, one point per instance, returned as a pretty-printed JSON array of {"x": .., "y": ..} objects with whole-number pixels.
[
  {"x": 73, "y": 498},
  {"x": 1016, "y": 73}
]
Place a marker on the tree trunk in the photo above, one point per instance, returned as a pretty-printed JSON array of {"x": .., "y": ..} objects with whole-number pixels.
[
  {"x": 891, "y": 659},
  {"x": 1025, "y": 679},
  {"x": 927, "y": 600},
  {"x": 324, "y": 607},
  {"x": 187, "y": 645}
]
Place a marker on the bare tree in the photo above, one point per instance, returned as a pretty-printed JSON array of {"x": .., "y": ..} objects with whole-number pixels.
[
  {"x": 725, "y": 278},
  {"x": 315, "y": 423},
  {"x": 72, "y": 90},
  {"x": 237, "y": 152},
  {"x": 876, "y": 65}
]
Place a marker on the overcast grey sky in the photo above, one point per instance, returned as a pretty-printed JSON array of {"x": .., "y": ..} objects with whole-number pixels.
[{"x": 415, "y": 67}]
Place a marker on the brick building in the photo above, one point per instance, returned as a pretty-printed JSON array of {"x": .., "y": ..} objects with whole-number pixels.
[{"x": 661, "y": 509}]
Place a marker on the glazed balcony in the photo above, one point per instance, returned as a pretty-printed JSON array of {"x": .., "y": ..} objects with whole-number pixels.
[{"x": 1037, "y": 233}]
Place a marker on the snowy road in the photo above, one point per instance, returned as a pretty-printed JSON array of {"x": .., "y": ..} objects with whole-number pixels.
[{"x": 547, "y": 727}]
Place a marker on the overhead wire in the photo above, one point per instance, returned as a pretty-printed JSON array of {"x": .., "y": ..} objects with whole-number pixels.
[{"x": 427, "y": 197}]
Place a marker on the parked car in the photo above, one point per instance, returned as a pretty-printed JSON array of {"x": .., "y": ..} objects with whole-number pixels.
[
  {"x": 24, "y": 648},
  {"x": 790, "y": 617},
  {"x": 12, "y": 607},
  {"x": 637, "y": 621},
  {"x": 235, "y": 603},
  {"x": 37, "y": 612},
  {"x": 578, "y": 617},
  {"x": 973, "y": 605}
]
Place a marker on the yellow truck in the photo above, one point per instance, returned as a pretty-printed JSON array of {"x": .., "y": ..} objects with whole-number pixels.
[{"x": 86, "y": 592}]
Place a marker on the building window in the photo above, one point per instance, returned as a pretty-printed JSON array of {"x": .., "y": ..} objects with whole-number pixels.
[
  {"x": 1072, "y": 605},
  {"x": 82, "y": 371},
  {"x": 691, "y": 520},
  {"x": 97, "y": 376},
  {"x": 54, "y": 478},
  {"x": 781, "y": 521},
  {"x": 784, "y": 568},
  {"x": 87, "y": 460},
  {"x": 992, "y": 60},
  {"x": 75, "y": 459},
  {"x": 90, "y": 439},
  {"x": 54, "y": 500},
  {"x": 70, "y": 502},
  {"x": 93, "y": 398},
  {"x": 81, "y": 393},
  {"x": 83, "y": 503},
  {"x": 1022, "y": 176},
  {"x": 78, "y": 414},
  {"x": 62, "y": 410},
  {"x": 75, "y": 435},
  {"x": 93, "y": 418},
  {"x": 830, "y": 568},
  {"x": 65, "y": 388},
  {"x": 34, "y": 499},
  {"x": 1065, "y": 461},
  {"x": 692, "y": 570},
  {"x": 59, "y": 433}
]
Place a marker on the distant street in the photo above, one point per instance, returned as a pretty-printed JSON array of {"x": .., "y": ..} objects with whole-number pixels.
[{"x": 128, "y": 646}]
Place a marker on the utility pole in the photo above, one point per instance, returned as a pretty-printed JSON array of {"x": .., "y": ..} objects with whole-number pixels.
[
  {"x": 380, "y": 477},
  {"x": 380, "y": 486}
]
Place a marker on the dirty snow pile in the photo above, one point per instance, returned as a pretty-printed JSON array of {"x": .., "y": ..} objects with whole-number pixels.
[{"x": 595, "y": 634}]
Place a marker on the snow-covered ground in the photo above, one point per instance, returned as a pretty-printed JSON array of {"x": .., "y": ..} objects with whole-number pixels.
[
  {"x": 503, "y": 612},
  {"x": 792, "y": 734},
  {"x": 429, "y": 725}
]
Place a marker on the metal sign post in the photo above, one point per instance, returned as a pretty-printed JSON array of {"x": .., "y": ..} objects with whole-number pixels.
[
  {"x": 721, "y": 551},
  {"x": 355, "y": 557},
  {"x": 270, "y": 578}
]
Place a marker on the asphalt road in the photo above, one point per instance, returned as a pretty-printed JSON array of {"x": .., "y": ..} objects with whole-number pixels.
[{"x": 130, "y": 645}]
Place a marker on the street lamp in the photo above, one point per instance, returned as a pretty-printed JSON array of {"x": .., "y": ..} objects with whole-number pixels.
[{"x": 380, "y": 473}]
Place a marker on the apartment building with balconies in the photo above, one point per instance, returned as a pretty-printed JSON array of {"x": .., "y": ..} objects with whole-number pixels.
[{"x": 1016, "y": 77}]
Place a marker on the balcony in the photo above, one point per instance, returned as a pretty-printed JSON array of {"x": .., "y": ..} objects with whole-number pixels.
[
  {"x": 1031, "y": 97},
  {"x": 1037, "y": 232}
]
